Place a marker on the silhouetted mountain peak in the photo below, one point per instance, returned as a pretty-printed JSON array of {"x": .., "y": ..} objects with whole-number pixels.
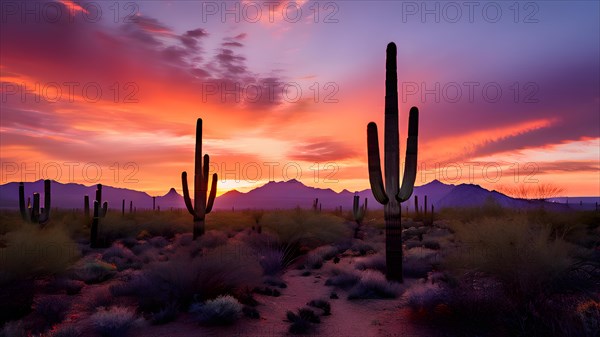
[
  {"x": 172, "y": 192},
  {"x": 436, "y": 183}
]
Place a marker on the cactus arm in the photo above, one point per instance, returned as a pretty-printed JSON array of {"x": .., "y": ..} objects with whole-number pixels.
[
  {"x": 22, "y": 207},
  {"x": 375, "y": 176},
  {"x": 213, "y": 194},
  {"x": 186, "y": 194},
  {"x": 104, "y": 209},
  {"x": 410, "y": 163}
]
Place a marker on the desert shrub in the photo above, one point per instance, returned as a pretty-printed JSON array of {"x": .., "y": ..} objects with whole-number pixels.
[
  {"x": 588, "y": 315},
  {"x": 224, "y": 310},
  {"x": 229, "y": 221},
  {"x": 158, "y": 241},
  {"x": 313, "y": 261},
  {"x": 328, "y": 252},
  {"x": 129, "y": 242},
  {"x": 10, "y": 221},
  {"x": 183, "y": 240},
  {"x": 418, "y": 262},
  {"x": 32, "y": 251},
  {"x": 141, "y": 248},
  {"x": 275, "y": 257},
  {"x": 374, "y": 262},
  {"x": 308, "y": 228},
  {"x": 524, "y": 257},
  {"x": 467, "y": 214},
  {"x": 213, "y": 239},
  {"x": 342, "y": 278},
  {"x": 165, "y": 224},
  {"x": 224, "y": 270},
  {"x": 98, "y": 298},
  {"x": 475, "y": 305},
  {"x": 93, "y": 271},
  {"x": 302, "y": 322},
  {"x": 52, "y": 308},
  {"x": 321, "y": 304},
  {"x": 114, "y": 321},
  {"x": 425, "y": 297},
  {"x": 121, "y": 257},
  {"x": 14, "y": 329},
  {"x": 275, "y": 282},
  {"x": 374, "y": 285},
  {"x": 362, "y": 248},
  {"x": 66, "y": 331},
  {"x": 414, "y": 233}
]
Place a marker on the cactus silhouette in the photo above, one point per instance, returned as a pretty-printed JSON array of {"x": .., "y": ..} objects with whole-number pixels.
[
  {"x": 417, "y": 215},
  {"x": 86, "y": 206},
  {"x": 32, "y": 213},
  {"x": 359, "y": 213},
  {"x": 202, "y": 205},
  {"x": 99, "y": 212},
  {"x": 392, "y": 194},
  {"x": 316, "y": 205}
]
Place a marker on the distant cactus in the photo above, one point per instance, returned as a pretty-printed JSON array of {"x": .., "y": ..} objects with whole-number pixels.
[
  {"x": 392, "y": 195},
  {"x": 359, "y": 213},
  {"x": 316, "y": 206},
  {"x": 153, "y": 203},
  {"x": 32, "y": 213},
  {"x": 202, "y": 205},
  {"x": 417, "y": 215},
  {"x": 99, "y": 212},
  {"x": 123, "y": 208},
  {"x": 86, "y": 205}
]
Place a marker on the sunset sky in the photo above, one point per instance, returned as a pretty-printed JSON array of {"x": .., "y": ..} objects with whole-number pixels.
[{"x": 88, "y": 85}]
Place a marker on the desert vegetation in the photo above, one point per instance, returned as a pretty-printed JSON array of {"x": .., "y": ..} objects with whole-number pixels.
[{"x": 506, "y": 272}]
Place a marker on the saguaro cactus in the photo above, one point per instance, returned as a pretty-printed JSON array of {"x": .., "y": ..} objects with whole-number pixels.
[
  {"x": 359, "y": 213},
  {"x": 316, "y": 206},
  {"x": 392, "y": 194},
  {"x": 32, "y": 213},
  {"x": 99, "y": 212},
  {"x": 202, "y": 205}
]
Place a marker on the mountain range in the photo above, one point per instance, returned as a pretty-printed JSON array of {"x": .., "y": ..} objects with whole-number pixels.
[{"x": 276, "y": 195}]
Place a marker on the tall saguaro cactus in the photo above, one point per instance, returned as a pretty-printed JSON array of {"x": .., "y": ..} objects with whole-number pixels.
[
  {"x": 32, "y": 213},
  {"x": 202, "y": 205},
  {"x": 392, "y": 195}
]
